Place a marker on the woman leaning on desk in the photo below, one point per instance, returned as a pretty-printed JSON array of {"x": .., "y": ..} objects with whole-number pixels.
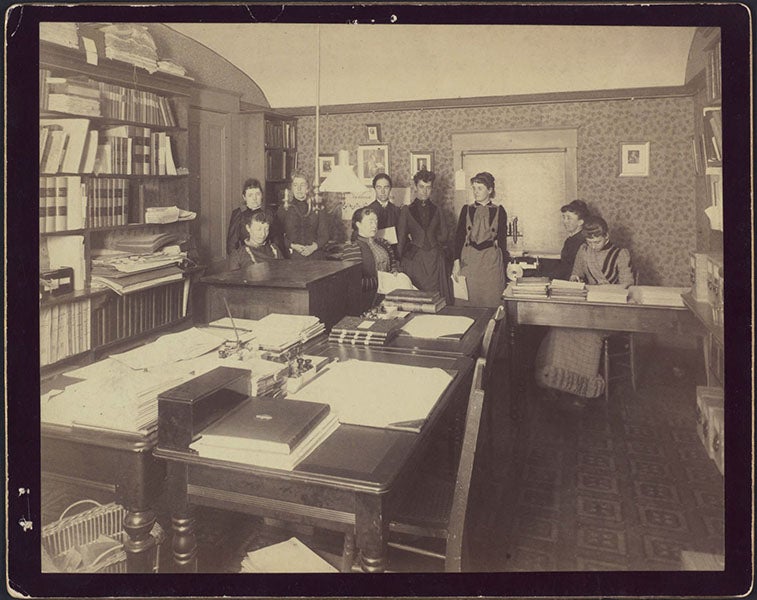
[
  {"x": 567, "y": 363},
  {"x": 252, "y": 203},
  {"x": 375, "y": 254},
  {"x": 306, "y": 230},
  {"x": 257, "y": 246},
  {"x": 481, "y": 245}
]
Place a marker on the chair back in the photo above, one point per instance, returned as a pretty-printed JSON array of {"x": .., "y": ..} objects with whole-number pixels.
[
  {"x": 490, "y": 343},
  {"x": 454, "y": 550}
]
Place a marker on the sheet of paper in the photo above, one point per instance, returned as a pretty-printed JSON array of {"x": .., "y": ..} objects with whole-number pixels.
[
  {"x": 291, "y": 556},
  {"x": 388, "y": 233},
  {"x": 388, "y": 282},
  {"x": 460, "y": 287},
  {"x": 377, "y": 394},
  {"x": 715, "y": 215},
  {"x": 169, "y": 348},
  {"x": 241, "y": 324},
  {"x": 436, "y": 326}
]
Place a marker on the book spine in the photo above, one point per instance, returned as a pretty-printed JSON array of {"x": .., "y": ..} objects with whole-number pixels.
[{"x": 61, "y": 203}]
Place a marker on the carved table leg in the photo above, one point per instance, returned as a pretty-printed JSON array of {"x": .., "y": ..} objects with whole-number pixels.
[
  {"x": 140, "y": 545},
  {"x": 371, "y": 528},
  {"x": 184, "y": 543}
]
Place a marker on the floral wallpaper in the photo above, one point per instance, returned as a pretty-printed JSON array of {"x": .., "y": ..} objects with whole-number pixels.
[{"x": 654, "y": 216}]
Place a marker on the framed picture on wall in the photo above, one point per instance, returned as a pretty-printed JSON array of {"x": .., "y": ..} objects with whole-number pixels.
[
  {"x": 372, "y": 159},
  {"x": 421, "y": 160},
  {"x": 374, "y": 132},
  {"x": 326, "y": 163},
  {"x": 634, "y": 159}
]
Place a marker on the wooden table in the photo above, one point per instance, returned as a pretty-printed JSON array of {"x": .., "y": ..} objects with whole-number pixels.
[
  {"x": 713, "y": 343},
  {"x": 350, "y": 483},
  {"x": 580, "y": 314},
  {"x": 326, "y": 289},
  {"x": 119, "y": 462}
]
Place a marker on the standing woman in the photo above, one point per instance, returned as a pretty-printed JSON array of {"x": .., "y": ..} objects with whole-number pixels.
[
  {"x": 421, "y": 233},
  {"x": 306, "y": 231},
  {"x": 481, "y": 245},
  {"x": 573, "y": 216},
  {"x": 252, "y": 203}
]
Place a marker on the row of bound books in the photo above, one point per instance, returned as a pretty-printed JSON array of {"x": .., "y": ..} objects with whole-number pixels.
[
  {"x": 414, "y": 301},
  {"x": 260, "y": 431},
  {"x": 364, "y": 332},
  {"x": 79, "y": 95},
  {"x": 280, "y": 135},
  {"x": 530, "y": 287},
  {"x": 133, "y": 150},
  {"x": 65, "y": 203},
  {"x": 64, "y": 330}
]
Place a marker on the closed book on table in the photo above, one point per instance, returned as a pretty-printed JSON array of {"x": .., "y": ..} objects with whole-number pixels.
[
  {"x": 266, "y": 425},
  {"x": 418, "y": 296},
  {"x": 385, "y": 327}
]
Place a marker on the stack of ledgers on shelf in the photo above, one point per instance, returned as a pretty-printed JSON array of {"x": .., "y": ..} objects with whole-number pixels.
[
  {"x": 63, "y": 203},
  {"x": 125, "y": 273},
  {"x": 657, "y": 295},
  {"x": 267, "y": 432},
  {"x": 75, "y": 94},
  {"x": 146, "y": 242},
  {"x": 64, "y": 330},
  {"x": 278, "y": 334},
  {"x": 127, "y": 42},
  {"x": 365, "y": 332},
  {"x": 560, "y": 289},
  {"x": 530, "y": 287},
  {"x": 290, "y": 556},
  {"x": 133, "y": 150},
  {"x": 63, "y": 34},
  {"x": 127, "y": 283},
  {"x": 414, "y": 301},
  {"x": 610, "y": 293}
]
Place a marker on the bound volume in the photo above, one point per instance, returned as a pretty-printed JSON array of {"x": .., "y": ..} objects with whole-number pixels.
[{"x": 357, "y": 330}]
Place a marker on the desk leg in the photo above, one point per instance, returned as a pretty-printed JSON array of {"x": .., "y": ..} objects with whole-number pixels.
[
  {"x": 140, "y": 546},
  {"x": 371, "y": 528},
  {"x": 184, "y": 544},
  {"x": 517, "y": 378}
]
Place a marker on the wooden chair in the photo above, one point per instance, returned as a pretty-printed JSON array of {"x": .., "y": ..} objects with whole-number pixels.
[
  {"x": 618, "y": 352},
  {"x": 436, "y": 508}
]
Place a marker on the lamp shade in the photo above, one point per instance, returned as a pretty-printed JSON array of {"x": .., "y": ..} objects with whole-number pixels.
[{"x": 342, "y": 178}]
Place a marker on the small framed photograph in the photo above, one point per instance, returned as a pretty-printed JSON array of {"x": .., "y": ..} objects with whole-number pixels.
[
  {"x": 372, "y": 159},
  {"x": 326, "y": 163},
  {"x": 634, "y": 159},
  {"x": 421, "y": 160},
  {"x": 374, "y": 132}
]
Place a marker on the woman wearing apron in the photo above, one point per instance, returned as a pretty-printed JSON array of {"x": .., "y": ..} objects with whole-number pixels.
[{"x": 481, "y": 245}]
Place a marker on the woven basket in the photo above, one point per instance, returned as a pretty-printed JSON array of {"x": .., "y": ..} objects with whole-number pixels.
[{"x": 87, "y": 526}]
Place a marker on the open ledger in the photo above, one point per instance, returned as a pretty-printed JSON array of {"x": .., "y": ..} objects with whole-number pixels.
[{"x": 378, "y": 394}]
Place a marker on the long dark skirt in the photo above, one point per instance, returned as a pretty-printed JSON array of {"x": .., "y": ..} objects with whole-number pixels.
[{"x": 428, "y": 271}]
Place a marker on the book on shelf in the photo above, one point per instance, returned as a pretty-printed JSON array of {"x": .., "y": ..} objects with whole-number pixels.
[
  {"x": 146, "y": 242},
  {"x": 265, "y": 425},
  {"x": 64, "y": 330},
  {"x": 107, "y": 202},
  {"x": 76, "y": 131},
  {"x": 139, "y": 281},
  {"x": 54, "y": 149}
]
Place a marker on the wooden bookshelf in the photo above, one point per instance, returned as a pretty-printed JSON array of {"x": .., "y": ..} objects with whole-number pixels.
[{"x": 138, "y": 175}]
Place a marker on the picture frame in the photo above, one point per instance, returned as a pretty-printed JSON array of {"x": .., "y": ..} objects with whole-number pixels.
[
  {"x": 420, "y": 160},
  {"x": 374, "y": 132},
  {"x": 372, "y": 159},
  {"x": 326, "y": 162},
  {"x": 634, "y": 159}
]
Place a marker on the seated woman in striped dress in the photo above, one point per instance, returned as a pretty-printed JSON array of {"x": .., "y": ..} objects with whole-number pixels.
[
  {"x": 380, "y": 267},
  {"x": 567, "y": 363}
]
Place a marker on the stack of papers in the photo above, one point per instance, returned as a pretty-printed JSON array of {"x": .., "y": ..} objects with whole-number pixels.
[
  {"x": 291, "y": 556},
  {"x": 277, "y": 333},
  {"x": 437, "y": 326},
  {"x": 414, "y": 301},
  {"x": 614, "y": 294},
  {"x": 560, "y": 289},
  {"x": 657, "y": 295},
  {"x": 277, "y": 434},
  {"x": 529, "y": 287},
  {"x": 390, "y": 396},
  {"x": 182, "y": 345}
]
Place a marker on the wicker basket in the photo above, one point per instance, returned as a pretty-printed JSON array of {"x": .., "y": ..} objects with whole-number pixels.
[{"x": 87, "y": 526}]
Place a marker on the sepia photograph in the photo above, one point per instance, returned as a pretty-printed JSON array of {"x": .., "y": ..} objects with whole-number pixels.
[{"x": 242, "y": 358}]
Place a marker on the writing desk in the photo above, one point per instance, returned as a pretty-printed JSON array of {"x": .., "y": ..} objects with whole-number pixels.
[
  {"x": 118, "y": 462},
  {"x": 580, "y": 314},
  {"x": 326, "y": 289},
  {"x": 350, "y": 483}
]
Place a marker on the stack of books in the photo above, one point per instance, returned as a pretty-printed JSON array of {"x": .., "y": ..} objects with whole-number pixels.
[
  {"x": 530, "y": 287},
  {"x": 414, "y": 301},
  {"x": 611, "y": 293},
  {"x": 365, "y": 332},
  {"x": 266, "y": 432},
  {"x": 278, "y": 335},
  {"x": 126, "y": 283},
  {"x": 145, "y": 243},
  {"x": 657, "y": 295},
  {"x": 560, "y": 289},
  {"x": 127, "y": 42},
  {"x": 74, "y": 95}
]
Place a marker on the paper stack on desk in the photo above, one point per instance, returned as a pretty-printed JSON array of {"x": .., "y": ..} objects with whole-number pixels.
[
  {"x": 291, "y": 556},
  {"x": 437, "y": 326},
  {"x": 560, "y": 289},
  {"x": 657, "y": 295},
  {"x": 277, "y": 333},
  {"x": 608, "y": 293},
  {"x": 529, "y": 287}
]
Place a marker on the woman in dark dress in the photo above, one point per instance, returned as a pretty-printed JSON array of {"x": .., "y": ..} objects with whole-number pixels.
[
  {"x": 306, "y": 230},
  {"x": 573, "y": 216},
  {"x": 257, "y": 246},
  {"x": 252, "y": 203}
]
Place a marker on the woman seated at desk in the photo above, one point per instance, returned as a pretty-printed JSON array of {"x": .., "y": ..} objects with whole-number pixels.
[
  {"x": 257, "y": 247},
  {"x": 306, "y": 231},
  {"x": 574, "y": 215},
  {"x": 567, "y": 362},
  {"x": 376, "y": 255},
  {"x": 252, "y": 202}
]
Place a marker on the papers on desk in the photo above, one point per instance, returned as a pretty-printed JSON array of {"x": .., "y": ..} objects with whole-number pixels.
[
  {"x": 240, "y": 324},
  {"x": 437, "y": 326},
  {"x": 657, "y": 295},
  {"x": 277, "y": 333},
  {"x": 378, "y": 394},
  {"x": 291, "y": 556},
  {"x": 388, "y": 282},
  {"x": 183, "y": 345},
  {"x": 609, "y": 293}
]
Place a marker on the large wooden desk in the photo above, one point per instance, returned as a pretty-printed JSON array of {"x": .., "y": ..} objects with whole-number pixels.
[
  {"x": 323, "y": 288},
  {"x": 579, "y": 314},
  {"x": 350, "y": 483},
  {"x": 118, "y": 462},
  {"x": 714, "y": 341}
]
